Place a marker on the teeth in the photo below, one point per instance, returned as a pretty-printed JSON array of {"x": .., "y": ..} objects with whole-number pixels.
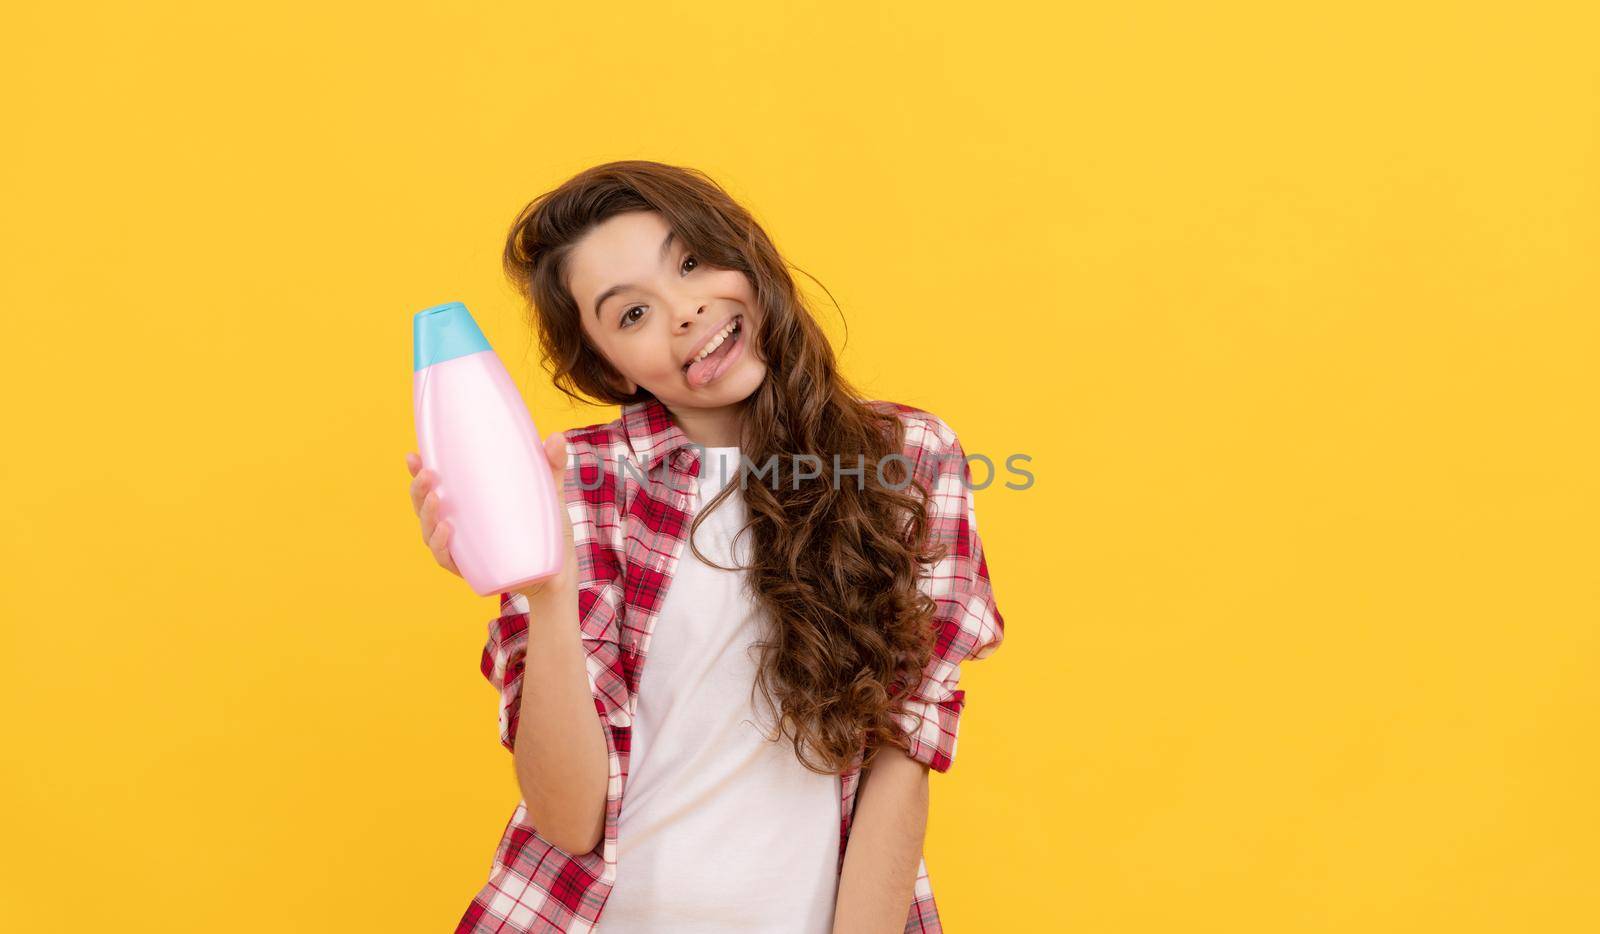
[{"x": 715, "y": 342}]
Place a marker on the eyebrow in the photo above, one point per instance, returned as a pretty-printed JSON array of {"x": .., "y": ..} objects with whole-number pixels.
[{"x": 601, "y": 298}]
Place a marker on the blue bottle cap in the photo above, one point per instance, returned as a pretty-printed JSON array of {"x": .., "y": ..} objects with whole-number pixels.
[{"x": 445, "y": 332}]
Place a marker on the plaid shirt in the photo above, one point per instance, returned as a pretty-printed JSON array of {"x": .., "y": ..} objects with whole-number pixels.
[{"x": 628, "y": 536}]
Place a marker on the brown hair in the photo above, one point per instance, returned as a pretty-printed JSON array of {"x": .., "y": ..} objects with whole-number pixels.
[{"x": 836, "y": 567}]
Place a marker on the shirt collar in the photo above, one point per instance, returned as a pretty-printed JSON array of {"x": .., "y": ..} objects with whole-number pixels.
[{"x": 651, "y": 432}]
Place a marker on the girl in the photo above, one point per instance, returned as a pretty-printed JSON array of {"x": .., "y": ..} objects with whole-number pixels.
[{"x": 832, "y": 585}]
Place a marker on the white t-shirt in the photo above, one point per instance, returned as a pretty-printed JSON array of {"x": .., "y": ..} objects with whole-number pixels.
[{"x": 721, "y": 830}]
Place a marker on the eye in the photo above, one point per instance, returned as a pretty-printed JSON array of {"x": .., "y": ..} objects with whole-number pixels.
[{"x": 627, "y": 321}]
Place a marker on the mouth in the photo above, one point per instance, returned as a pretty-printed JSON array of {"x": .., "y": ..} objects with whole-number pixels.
[{"x": 703, "y": 369}]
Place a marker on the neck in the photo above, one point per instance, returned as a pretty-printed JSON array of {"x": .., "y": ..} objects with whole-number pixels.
[{"x": 714, "y": 427}]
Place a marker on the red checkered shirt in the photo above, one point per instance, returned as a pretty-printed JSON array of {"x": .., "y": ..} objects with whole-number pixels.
[{"x": 628, "y": 536}]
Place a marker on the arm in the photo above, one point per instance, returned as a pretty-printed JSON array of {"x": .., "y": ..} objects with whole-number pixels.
[
  {"x": 877, "y": 883},
  {"x": 967, "y": 624},
  {"x": 885, "y": 847},
  {"x": 536, "y": 659}
]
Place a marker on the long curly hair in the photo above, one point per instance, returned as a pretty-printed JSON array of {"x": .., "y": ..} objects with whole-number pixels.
[{"x": 836, "y": 567}]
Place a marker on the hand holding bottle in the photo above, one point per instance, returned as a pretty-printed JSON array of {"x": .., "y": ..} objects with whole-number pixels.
[
  {"x": 436, "y": 532},
  {"x": 477, "y": 437}
]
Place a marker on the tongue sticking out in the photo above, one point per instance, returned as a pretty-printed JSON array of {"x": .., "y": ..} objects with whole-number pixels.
[{"x": 701, "y": 371}]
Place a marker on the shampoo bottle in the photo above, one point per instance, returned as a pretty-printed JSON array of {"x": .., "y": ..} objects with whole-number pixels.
[{"x": 473, "y": 429}]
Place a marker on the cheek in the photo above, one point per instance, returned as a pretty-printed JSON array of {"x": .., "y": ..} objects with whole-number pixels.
[
  {"x": 735, "y": 284},
  {"x": 617, "y": 355}
]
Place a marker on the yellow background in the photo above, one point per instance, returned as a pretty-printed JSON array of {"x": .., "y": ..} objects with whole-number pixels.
[{"x": 1293, "y": 309}]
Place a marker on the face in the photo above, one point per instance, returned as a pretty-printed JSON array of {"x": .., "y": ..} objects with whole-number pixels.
[{"x": 650, "y": 306}]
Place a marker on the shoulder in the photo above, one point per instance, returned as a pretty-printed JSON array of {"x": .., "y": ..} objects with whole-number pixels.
[
  {"x": 593, "y": 451},
  {"x": 925, "y": 432},
  {"x": 599, "y": 438},
  {"x": 593, "y": 475}
]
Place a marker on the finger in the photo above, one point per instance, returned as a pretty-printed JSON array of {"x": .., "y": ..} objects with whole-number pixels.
[
  {"x": 418, "y": 491},
  {"x": 413, "y": 463},
  {"x": 421, "y": 482},
  {"x": 429, "y": 513},
  {"x": 439, "y": 544},
  {"x": 450, "y": 558}
]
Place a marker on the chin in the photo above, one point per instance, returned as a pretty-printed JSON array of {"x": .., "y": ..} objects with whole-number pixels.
[{"x": 741, "y": 386}]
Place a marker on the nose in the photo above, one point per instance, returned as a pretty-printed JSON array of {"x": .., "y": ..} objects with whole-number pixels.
[{"x": 688, "y": 312}]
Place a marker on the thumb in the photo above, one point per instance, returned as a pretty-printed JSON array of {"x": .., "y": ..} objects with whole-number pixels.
[
  {"x": 555, "y": 450},
  {"x": 555, "y": 447}
]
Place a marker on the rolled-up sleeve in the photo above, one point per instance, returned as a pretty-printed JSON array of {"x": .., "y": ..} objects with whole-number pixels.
[
  {"x": 967, "y": 622},
  {"x": 502, "y": 661}
]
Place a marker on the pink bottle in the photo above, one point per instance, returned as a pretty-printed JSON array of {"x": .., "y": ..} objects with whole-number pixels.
[{"x": 474, "y": 431}]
